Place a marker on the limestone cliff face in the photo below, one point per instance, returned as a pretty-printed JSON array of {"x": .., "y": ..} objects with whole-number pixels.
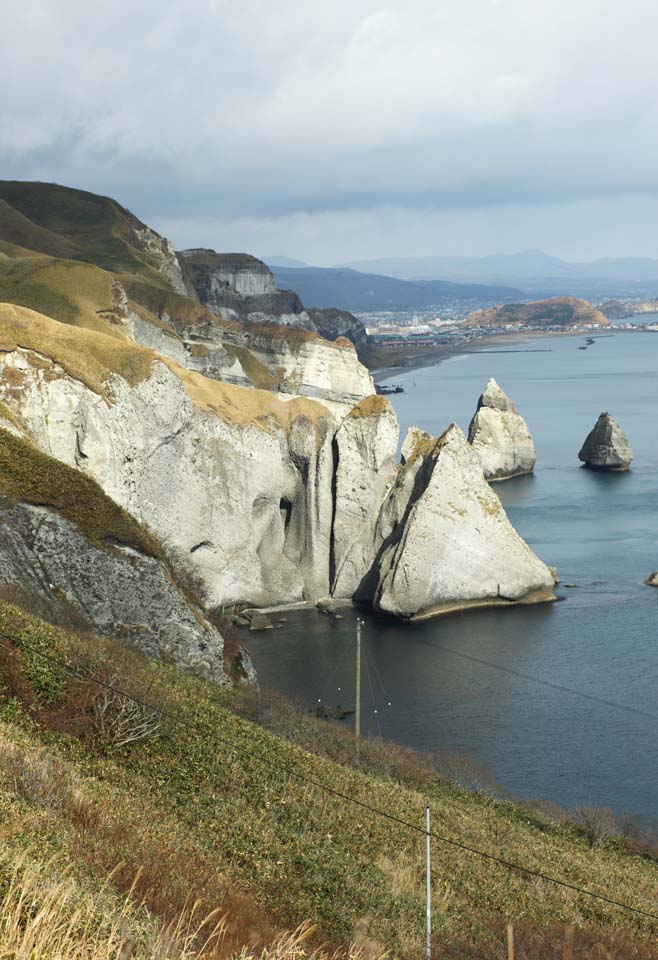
[
  {"x": 365, "y": 453},
  {"x": 266, "y": 501},
  {"x": 237, "y": 483},
  {"x": 237, "y": 286},
  {"x": 291, "y": 363},
  {"x": 231, "y": 274},
  {"x": 269, "y": 332},
  {"x": 331, "y": 323},
  {"x": 444, "y": 542},
  {"x": 163, "y": 253},
  {"x": 500, "y": 436}
]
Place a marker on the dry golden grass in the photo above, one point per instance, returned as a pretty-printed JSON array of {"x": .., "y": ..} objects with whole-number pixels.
[
  {"x": 48, "y": 914},
  {"x": 372, "y": 406},
  {"x": 243, "y": 406},
  {"x": 91, "y": 357},
  {"x": 66, "y": 290},
  {"x": 86, "y": 355}
]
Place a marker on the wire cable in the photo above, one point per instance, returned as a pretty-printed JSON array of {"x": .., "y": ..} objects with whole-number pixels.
[
  {"x": 511, "y": 865},
  {"x": 367, "y": 655},
  {"x": 379, "y": 679},
  {"x": 636, "y": 711},
  {"x": 333, "y": 673}
]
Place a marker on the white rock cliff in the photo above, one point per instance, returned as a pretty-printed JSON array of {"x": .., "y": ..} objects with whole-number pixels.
[{"x": 267, "y": 501}]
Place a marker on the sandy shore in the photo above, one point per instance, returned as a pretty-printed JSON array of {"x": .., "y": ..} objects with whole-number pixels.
[{"x": 502, "y": 341}]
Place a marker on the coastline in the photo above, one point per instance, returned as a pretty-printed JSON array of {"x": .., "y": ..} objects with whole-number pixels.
[{"x": 440, "y": 354}]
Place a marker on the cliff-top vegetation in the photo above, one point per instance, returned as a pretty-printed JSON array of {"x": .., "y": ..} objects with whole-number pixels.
[{"x": 93, "y": 357}]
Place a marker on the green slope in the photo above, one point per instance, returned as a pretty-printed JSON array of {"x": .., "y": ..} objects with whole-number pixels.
[
  {"x": 212, "y": 807},
  {"x": 64, "y": 222}
]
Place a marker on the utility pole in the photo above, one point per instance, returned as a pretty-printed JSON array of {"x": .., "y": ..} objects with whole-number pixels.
[
  {"x": 357, "y": 710},
  {"x": 428, "y": 890}
]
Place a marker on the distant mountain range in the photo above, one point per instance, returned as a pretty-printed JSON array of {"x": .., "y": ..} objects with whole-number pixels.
[
  {"x": 357, "y": 291},
  {"x": 532, "y": 270},
  {"x": 277, "y": 261}
]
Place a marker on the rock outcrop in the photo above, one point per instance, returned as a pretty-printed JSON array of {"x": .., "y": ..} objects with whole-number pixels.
[
  {"x": 237, "y": 286},
  {"x": 331, "y": 324},
  {"x": 70, "y": 554},
  {"x": 313, "y": 353},
  {"x": 500, "y": 436},
  {"x": 290, "y": 362},
  {"x": 445, "y": 541},
  {"x": 117, "y": 592},
  {"x": 606, "y": 446}
]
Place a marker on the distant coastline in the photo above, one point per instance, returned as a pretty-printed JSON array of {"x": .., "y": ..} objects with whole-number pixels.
[{"x": 439, "y": 354}]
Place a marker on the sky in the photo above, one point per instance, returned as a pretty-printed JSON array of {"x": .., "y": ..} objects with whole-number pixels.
[{"x": 338, "y": 130}]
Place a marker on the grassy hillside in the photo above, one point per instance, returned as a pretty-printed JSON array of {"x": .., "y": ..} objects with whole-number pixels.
[
  {"x": 70, "y": 255},
  {"x": 64, "y": 222},
  {"x": 211, "y": 808}
]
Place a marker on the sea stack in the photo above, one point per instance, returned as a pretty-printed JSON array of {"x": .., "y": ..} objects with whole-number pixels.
[
  {"x": 606, "y": 446},
  {"x": 500, "y": 436},
  {"x": 455, "y": 547}
]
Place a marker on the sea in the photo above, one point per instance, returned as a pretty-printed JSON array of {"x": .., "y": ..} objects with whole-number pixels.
[{"x": 559, "y": 702}]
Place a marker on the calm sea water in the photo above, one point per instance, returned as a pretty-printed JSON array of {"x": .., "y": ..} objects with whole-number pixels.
[{"x": 490, "y": 684}]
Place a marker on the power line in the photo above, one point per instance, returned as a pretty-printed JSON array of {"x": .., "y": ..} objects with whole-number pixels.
[
  {"x": 346, "y": 647},
  {"x": 372, "y": 689},
  {"x": 636, "y": 711},
  {"x": 84, "y": 675}
]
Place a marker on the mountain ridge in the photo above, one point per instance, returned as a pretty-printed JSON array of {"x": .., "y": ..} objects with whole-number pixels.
[
  {"x": 349, "y": 289},
  {"x": 531, "y": 267}
]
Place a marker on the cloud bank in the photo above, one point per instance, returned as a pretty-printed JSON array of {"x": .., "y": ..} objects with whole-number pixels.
[{"x": 331, "y": 131}]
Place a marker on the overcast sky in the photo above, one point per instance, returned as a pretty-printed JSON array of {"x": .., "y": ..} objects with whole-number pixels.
[{"x": 331, "y": 130}]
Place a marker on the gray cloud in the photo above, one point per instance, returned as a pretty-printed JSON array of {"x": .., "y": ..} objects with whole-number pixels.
[{"x": 345, "y": 129}]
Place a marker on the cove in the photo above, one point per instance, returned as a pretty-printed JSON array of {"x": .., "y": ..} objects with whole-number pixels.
[{"x": 495, "y": 684}]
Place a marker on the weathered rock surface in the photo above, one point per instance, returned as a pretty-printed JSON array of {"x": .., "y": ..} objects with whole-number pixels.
[
  {"x": 606, "y": 446},
  {"x": 237, "y": 286},
  {"x": 331, "y": 324},
  {"x": 500, "y": 436},
  {"x": 267, "y": 502},
  {"x": 291, "y": 363},
  {"x": 233, "y": 480},
  {"x": 115, "y": 590},
  {"x": 364, "y": 462},
  {"x": 652, "y": 579},
  {"x": 446, "y": 543},
  {"x": 309, "y": 355}
]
